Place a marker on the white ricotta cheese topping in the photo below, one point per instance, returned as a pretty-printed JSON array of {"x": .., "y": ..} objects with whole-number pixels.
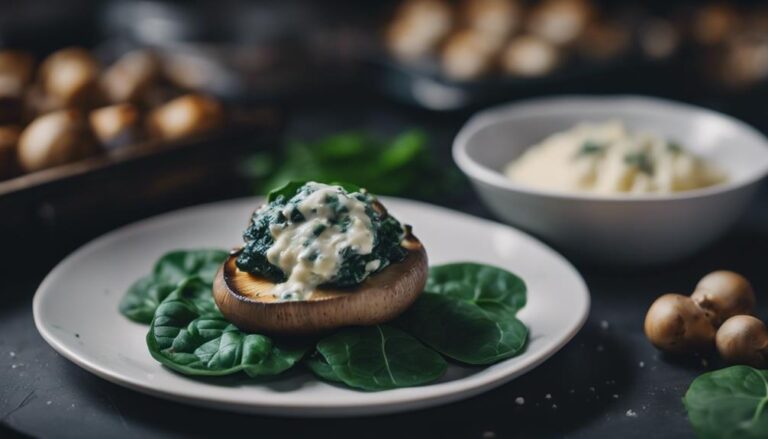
[
  {"x": 604, "y": 158},
  {"x": 309, "y": 251}
]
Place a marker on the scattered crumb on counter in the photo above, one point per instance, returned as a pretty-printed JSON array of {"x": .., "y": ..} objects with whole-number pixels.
[
  {"x": 519, "y": 400},
  {"x": 548, "y": 396},
  {"x": 554, "y": 406},
  {"x": 641, "y": 364},
  {"x": 12, "y": 354},
  {"x": 48, "y": 402},
  {"x": 591, "y": 388},
  {"x": 604, "y": 324},
  {"x": 615, "y": 396},
  {"x": 631, "y": 413},
  {"x": 489, "y": 435}
]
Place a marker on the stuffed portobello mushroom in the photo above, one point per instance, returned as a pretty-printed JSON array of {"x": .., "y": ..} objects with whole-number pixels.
[{"x": 318, "y": 257}]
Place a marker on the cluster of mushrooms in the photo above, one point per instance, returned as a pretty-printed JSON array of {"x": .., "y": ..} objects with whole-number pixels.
[
  {"x": 68, "y": 107},
  {"x": 733, "y": 42},
  {"x": 717, "y": 314},
  {"x": 475, "y": 38}
]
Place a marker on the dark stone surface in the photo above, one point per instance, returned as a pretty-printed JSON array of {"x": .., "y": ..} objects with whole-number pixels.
[{"x": 607, "y": 382}]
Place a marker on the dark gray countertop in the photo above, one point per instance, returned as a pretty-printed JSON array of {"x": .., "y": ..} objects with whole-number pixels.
[{"x": 607, "y": 382}]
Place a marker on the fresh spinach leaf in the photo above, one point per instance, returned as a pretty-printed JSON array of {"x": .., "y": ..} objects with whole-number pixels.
[
  {"x": 404, "y": 149},
  {"x": 377, "y": 358},
  {"x": 342, "y": 146},
  {"x": 142, "y": 298},
  {"x": 729, "y": 403},
  {"x": 467, "y": 313},
  {"x": 178, "y": 265},
  {"x": 189, "y": 335},
  {"x": 292, "y": 187},
  {"x": 317, "y": 364},
  {"x": 286, "y": 191},
  {"x": 462, "y": 330},
  {"x": 140, "y": 301},
  {"x": 493, "y": 289},
  {"x": 399, "y": 166}
]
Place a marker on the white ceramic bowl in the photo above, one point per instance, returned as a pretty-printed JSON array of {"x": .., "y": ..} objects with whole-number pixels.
[{"x": 621, "y": 229}]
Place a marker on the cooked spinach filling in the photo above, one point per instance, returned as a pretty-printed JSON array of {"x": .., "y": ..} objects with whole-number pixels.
[{"x": 329, "y": 217}]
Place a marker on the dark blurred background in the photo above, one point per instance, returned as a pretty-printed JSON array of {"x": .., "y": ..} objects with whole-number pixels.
[
  {"x": 163, "y": 103},
  {"x": 115, "y": 110}
]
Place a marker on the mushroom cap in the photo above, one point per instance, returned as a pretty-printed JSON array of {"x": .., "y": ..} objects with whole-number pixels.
[
  {"x": 466, "y": 55},
  {"x": 184, "y": 116},
  {"x": 560, "y": 22},
  {"x": 53, "y": 139},
  {"x": 17, "y": 65},
  {"x": 724, "y": 294},
  {"x": 529, "y": 56},
  {"x": 9, "y": 138},
  {"x": 115, "y": 125},
  {"x": 675, "y": 323},
  {"x": 743, "y": 340},
  {"x": 497, "y": 18},
  {"x": 247, "y": 301},
  {"x": 70, "y": 75},
  {"x": 130, "y": 76}
]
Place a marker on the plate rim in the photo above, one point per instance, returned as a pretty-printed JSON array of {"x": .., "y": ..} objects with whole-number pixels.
[{"x": 439, "y": 393}]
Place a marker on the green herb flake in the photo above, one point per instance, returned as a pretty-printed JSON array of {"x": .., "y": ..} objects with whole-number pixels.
[
  {"x": 319, "y": 229},
  {"x": 641, "y": 161},
  {"x": 590, "y": 148},
  {"x": 674, "y": 147}
]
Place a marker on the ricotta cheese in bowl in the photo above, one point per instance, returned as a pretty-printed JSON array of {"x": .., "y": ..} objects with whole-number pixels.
[
  {"x": 599, "y": 201},
  {"x": 606, "y": 158}
]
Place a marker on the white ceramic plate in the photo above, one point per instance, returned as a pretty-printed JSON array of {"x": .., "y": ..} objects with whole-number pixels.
[{"x": 75, "y": 310}]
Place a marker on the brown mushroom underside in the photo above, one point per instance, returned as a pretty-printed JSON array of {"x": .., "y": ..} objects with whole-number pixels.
[{"x": 247, "y": 301}]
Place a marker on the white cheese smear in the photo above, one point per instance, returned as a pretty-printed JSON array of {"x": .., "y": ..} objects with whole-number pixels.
[
  {"x": 604, "y": 158},
  {"x": 317, "y": 262}
]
